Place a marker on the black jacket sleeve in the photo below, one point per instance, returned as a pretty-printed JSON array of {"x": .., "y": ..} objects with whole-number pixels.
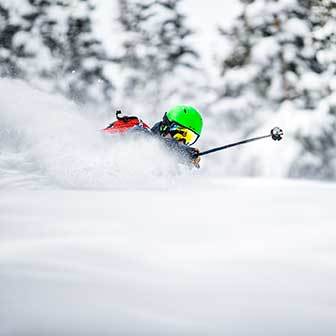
[
  {"x": 184, "y": 153},
  {"x": 156, "y": 128}
]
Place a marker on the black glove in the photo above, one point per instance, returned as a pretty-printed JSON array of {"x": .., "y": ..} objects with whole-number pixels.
[{"x": 191, "y": 154}]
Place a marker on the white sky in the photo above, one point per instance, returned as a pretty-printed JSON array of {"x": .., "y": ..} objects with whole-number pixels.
[
  {"x": 207, "y": 14},
  {"x": 204, "y": 16}
]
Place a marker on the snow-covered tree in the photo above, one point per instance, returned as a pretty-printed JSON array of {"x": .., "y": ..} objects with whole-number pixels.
[
  {"x": 16, "y": 20},
  {"x": 52, "y": 44},
  {"x": 281, "y": 52},
  {"x": 271, "y": 54},
  {"x": 157, "y": 57},
  {"x": 318, "y": 156},
  {"x": 83, "y": 58}
]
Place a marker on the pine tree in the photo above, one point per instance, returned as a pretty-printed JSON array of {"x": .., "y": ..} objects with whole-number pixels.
[
  {"x": 55, "y": 48},
  {"x": 280, "y": 53},
  {"x": 317, "y": 157},
  {"x": 156, "y": 50},
  {"x": 15, "y": 24},
  {"x": 271, "y": 53},
  {"x": 84, "y": 58}
]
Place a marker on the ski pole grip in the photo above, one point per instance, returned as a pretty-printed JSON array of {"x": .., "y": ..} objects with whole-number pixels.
[{"x": 276, "y": 133}]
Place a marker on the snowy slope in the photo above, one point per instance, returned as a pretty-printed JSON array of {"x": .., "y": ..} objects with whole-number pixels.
[
  {"x": 240, "y": 257},
  {"x": 101, "y": 237}
]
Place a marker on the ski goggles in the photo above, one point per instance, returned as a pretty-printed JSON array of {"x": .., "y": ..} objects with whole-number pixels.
[{"x": 180, "y": 133}]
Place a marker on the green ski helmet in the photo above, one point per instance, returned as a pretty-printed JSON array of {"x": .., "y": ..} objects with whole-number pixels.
[{"x": 186, "y": 116}]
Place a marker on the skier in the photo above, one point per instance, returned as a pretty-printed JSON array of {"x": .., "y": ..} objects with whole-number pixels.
[{"x": 179, "y": 128}]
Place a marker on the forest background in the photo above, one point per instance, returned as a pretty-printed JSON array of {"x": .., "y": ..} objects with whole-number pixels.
[{"x": 248, "y": 65}]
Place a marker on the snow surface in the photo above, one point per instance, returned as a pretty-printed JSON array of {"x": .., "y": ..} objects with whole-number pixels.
[
  {"x": 97, "y": 239},
  {"x": 214, "y": 257}
]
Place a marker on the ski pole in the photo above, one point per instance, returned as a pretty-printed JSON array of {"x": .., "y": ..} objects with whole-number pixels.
[{"x": 276, "y": 134}]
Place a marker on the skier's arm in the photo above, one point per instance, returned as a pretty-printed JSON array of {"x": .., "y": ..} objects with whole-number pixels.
[{"x": 186, "y": 154}]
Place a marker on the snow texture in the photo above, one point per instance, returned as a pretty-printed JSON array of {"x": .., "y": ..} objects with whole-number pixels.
[
  {"x": 256, "y": 258},
  {"x": 99, "y": 237},
  {"x": 67, "y": 149}
]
